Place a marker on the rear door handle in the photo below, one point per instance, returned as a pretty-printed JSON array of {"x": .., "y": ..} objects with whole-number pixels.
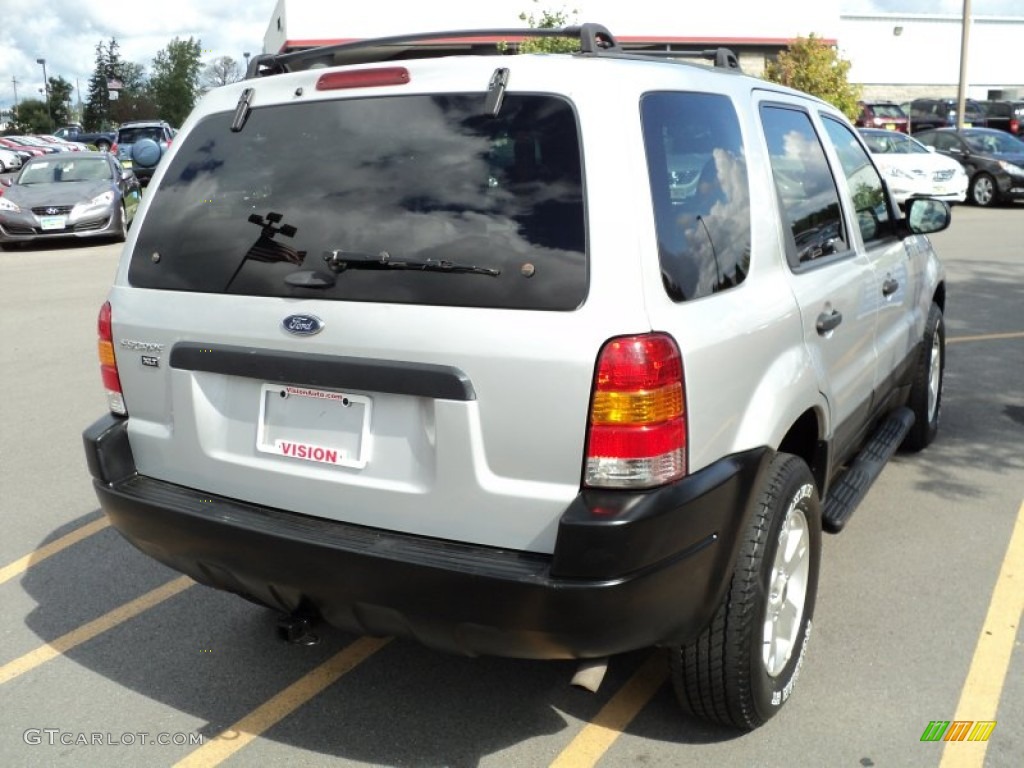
[
  {"x": 828, "y": 321},
  {"x": 890, "y": 286}
]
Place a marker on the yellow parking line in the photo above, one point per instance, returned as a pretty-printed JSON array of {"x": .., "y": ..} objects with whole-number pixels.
[
  {"x": 979, "y": 699},
  {"x": 600, "y": 733},
  {"x": 986, "y": 337},
  {"x": 230, "y": 741},
  {"x": 76, "y": 637},
  {"x": 22, "y": 564}
]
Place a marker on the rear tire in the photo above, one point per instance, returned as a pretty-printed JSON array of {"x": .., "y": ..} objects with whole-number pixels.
[
  {"x": 743, "y": 667},
  {"x": 926, "y": 390}
]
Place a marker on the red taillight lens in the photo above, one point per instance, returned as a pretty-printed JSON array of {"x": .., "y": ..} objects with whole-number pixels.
[
  {"x": 637, "y": 430},
  {"x": 1014, "y": 125},
  {"x": 113, "y": 148},
  {"x": 108, "y": 362},
  {"x": 363, "y": 78}
]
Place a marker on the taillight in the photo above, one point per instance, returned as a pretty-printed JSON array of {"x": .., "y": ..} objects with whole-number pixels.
[
  {"x": 1014, "y": 125},
  {"x": 108, "y": 362},
  {"x": 113, "y": 149},
  {"x": 637, "y": 426}
]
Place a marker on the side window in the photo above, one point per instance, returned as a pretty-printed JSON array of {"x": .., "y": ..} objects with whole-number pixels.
[
  {"x": 866, "y": 189},
  {"x": 807, "y": 193},
  {"x": 698, "y": 174}
]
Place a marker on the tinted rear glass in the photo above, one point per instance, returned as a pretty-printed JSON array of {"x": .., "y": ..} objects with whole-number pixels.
[
  {"x": 698, "y": 174},
  {"x": 410, "y": 178},
  {"x": 134, "y": 135}
]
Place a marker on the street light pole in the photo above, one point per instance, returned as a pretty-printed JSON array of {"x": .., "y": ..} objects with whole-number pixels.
[
  {"x": 246, "y": 54},
  {"x": 46, "y": 90}
]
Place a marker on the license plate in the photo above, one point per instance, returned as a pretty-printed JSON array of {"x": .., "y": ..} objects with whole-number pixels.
[
  {"x": 53, "y": 222},
  {"x": 316, "y": 425},
  {"x": 890, "y": 127},
  {"x": 967, "y": 125},
  {"x": 941, "y": 189},
  {"x": 126, "y": 163}
]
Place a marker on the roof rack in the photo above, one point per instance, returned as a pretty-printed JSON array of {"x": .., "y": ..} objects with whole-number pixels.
[
  {"x": 595, "y": 40},
  {"x": 724, "y": 58}
]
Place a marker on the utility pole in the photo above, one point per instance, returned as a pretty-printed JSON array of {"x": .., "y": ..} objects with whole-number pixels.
[
  {"x": 961, "y": 95},
  {"x": 15, "y": 81}
]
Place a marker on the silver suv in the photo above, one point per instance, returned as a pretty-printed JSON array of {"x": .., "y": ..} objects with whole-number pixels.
[{"x": 545, "y": 356}]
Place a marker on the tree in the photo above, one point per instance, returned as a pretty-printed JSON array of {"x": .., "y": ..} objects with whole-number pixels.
[
  {"x": 545, "y": 19},
  {"x": 60, "y": 100},
  {"x": 812, "y": 65},
  {"x": 221, "y": 71},
  {"x": 174, "y": 83},
  {"x": 31, "y": 117},
  {"x": 96, "y": 114},
  {"x": 134, "y": 101}
]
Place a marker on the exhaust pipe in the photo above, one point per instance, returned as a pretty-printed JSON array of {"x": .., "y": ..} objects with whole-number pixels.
[{"x": 590, "y": 673}]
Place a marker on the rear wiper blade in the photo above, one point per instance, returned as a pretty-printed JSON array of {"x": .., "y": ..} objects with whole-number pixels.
[{"x": 339, "y": 261}]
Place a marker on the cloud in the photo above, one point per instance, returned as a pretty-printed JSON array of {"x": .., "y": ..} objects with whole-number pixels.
[{"x": 65, "y": 33}]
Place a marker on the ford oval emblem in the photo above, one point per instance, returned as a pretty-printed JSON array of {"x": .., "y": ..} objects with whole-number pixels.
[{"x": 303, "y": 325}]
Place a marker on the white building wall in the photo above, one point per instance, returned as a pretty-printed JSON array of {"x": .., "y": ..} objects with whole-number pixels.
[{"x": 906, "y": 55}]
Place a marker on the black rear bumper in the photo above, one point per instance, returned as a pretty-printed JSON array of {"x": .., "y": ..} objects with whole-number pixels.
[{"x": 630, "y": 569}]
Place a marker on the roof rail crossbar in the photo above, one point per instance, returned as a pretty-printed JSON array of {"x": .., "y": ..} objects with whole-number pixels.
[
  {"x": 724, "y": 58},
  {"x": 594, "y": 39}
]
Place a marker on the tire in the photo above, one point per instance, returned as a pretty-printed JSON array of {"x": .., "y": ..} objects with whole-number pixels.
[
  {"x": 743, "y": 667},
  {"x": 925, "y": 398},
  {"x": 983, "y": 190}
]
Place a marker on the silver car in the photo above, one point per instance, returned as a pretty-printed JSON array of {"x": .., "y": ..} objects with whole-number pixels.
[
  {"x": 68, "y": 195},
  {"x": 546, "y": 356}
]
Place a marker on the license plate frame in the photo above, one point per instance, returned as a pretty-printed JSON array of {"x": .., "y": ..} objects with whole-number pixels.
[
  {"x": 50, "y": 223},
  {"x": 312, "y": 425}
]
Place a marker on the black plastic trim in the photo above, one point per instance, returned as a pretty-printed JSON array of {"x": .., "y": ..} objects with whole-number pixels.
[
  {"x": 440, "y": 382},
  {"x": 634, "y": 569}
]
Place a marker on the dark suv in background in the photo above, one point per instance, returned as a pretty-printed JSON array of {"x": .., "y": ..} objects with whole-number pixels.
[
  {"x": 1005, "y": 115},
  {"x": 882, "y": 114},
  {"x": 140, "y": 144},
  {"x": 941, "y": 113}
]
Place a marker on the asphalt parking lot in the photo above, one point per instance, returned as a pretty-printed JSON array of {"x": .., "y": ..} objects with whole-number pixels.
[{"x": 109, "y": 659}]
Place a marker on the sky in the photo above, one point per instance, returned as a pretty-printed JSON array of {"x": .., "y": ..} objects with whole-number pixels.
[{"x": 65, "y": 32}]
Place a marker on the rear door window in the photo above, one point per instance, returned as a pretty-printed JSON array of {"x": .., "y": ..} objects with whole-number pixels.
[
  {"x": 412, "y": 180},
  {"x": 698, "y": 174},
  {"x": 806, "y": 190}
]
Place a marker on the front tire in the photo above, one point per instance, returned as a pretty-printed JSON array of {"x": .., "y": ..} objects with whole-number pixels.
[
  {"x": 743, "y": 667},
  {"x": 983, "y": 190},
  {"x": 926, "y": 390}
]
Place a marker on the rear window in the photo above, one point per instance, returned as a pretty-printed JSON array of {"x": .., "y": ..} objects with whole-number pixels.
[
  {"x": 413, "y": 180},
  {"x": 135, "y": 135}
]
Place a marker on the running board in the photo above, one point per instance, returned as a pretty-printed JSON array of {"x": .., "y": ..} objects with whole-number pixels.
[{"x": 851, "y": 488}]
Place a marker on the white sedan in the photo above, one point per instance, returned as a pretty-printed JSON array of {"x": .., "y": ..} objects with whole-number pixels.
[
  {"x": 912, "y": 169},
  {"x": 9, "y": 161}
]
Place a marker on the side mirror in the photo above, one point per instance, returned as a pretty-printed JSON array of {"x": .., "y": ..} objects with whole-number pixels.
[
  {"x": 925, "y": 216},
  {"x": 6, "y": 182}
]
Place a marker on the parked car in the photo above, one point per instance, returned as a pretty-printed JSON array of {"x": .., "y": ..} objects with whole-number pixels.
[
  {"x": 140, "y": 144},
  {"x": 29, "y": 144},
  {"x": 434, "y": 380},
  {"x": 24, "y": 152},
  {"x": 61, "y": 144},
  {"x": 882, "y": 114},
  {"x": 993, "y": 159},
  {"x": 926, "y": 114},
  {"x": 9, "y": 161},
  {"x": 1005, "y": 115},
  {"x": 913, "y": 169},
  {"x": 102, "y": 140},
  {"x": 70, "y": 194}
]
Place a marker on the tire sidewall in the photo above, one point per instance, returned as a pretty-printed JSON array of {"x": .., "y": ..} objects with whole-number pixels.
[
  {"x": 770, "y": 693},
  {"x": 935, "y": 326}
]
